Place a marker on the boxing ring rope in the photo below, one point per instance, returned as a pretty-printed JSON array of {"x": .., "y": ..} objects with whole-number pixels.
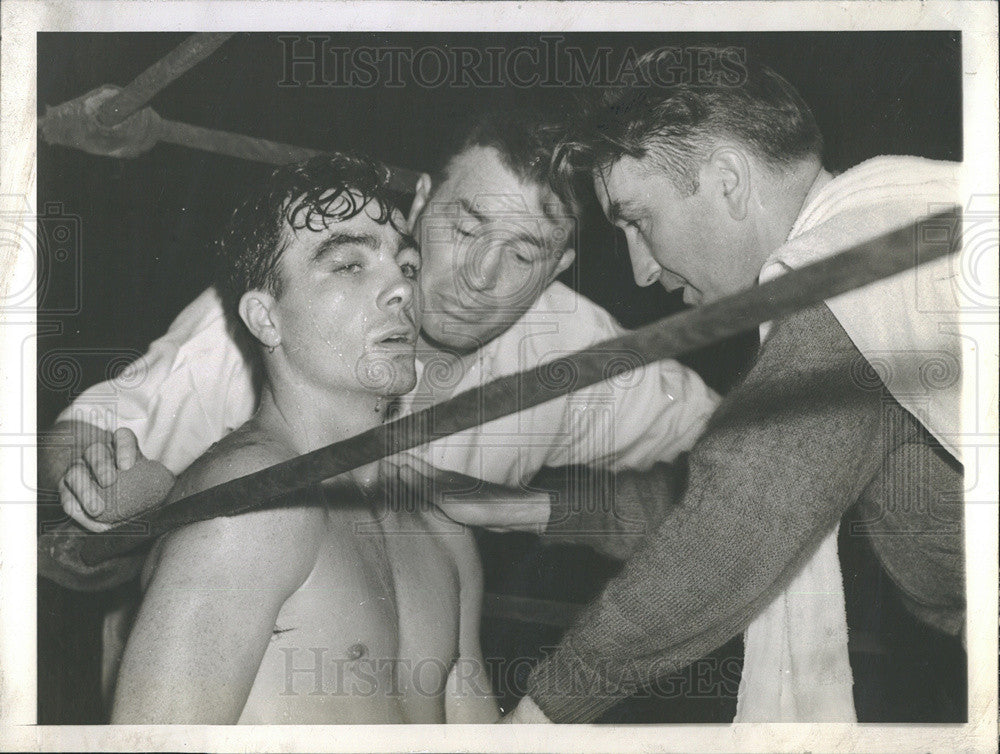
[
  {"x": 236, "y": 145},
  {"x": 114, "y": 122},
  {"x": 145, "y": 86},
  {"x": 865, "y": 263}
]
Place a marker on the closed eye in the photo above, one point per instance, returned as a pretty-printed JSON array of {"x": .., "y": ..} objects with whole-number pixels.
[
  {"x": 408, "y": 258},
  {"x": 348, "y": 267}
]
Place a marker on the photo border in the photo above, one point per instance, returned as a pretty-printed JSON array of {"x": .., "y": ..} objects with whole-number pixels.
[{"x": 18, "y": 684}]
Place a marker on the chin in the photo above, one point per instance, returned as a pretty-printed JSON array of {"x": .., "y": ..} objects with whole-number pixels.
[
  {"x": 389, "y": 374},
  {"x": 400, "y": 385},
  {"x": 405, "y": 384}
]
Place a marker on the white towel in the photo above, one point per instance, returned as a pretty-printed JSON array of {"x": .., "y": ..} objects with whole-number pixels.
[
  {"x": 795, "y": 662},
  {"x": 796, "y": 666}
]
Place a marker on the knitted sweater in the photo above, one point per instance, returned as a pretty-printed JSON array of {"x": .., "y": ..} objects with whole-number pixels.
[{"x": 808, "y": 433}]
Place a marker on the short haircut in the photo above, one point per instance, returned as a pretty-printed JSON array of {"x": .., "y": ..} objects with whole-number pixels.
[
  {"x": 310, "y": 194},
  {"x": 524, "y": 137},
  {"x": 677, "y": 124}
]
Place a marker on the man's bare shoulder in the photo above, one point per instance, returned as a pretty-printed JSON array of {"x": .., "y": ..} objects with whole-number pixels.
[
  {"x": 241, "y": 452},
  {"x": 285, "y": 538}
]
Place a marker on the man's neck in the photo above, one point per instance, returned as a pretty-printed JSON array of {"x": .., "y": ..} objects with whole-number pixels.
[{"x": 306, "y": 418}]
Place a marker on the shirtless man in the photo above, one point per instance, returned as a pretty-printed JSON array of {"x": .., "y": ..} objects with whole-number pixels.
[
  {"x": 492, "y": 307},
  {"x": 309, "y": 613}
]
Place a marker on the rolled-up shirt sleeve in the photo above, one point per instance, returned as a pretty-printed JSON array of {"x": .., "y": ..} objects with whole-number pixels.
[{"x": 192, "y": 386}]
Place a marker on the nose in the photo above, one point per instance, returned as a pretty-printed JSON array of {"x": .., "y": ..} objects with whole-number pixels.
[
  {"x": 482, "y": 268},
  {"x": 645, "y": 269},
  {"x": 397, "y": 292}
]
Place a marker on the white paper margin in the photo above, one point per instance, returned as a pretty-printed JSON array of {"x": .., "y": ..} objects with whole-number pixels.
[{"x": 22, "y": 19}]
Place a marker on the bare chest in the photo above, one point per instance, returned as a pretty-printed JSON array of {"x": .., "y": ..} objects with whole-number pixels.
[{"x": 375, "y": 627}]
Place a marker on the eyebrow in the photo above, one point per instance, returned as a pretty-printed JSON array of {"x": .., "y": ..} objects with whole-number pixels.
[
  {"x": 466, "y": 205},
  {"x": 405, "y": 243},
  {"x": 337, "y": 240},
  {"x": 522, "y": 234}
]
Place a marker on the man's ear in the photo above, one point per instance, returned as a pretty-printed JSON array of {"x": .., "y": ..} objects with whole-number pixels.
[
  {"x": 258, "y": 313},
  {"x": 421, "y": 195},
  {"x": 564, "y": 262},
  {"x": 731, "y": 169}
]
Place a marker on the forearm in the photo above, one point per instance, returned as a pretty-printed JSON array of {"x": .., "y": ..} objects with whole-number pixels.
[
  {"x": 787, "y": 452},
  {"x": 100, "y": 477},
  {"x": 611, "y": 512},
  {"x": 58, "y": 545}
]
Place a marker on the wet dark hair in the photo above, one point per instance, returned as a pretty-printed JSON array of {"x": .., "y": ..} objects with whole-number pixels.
[
  {"x": 676, "y": 124},
  {"x": 311, "y": 194}
]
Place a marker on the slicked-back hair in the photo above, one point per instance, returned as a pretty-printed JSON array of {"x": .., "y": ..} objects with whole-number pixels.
[
  {"x": 312, "y": 194},
  {"x": 678, "y": 124},
  {"x": 525, "y": 139}
]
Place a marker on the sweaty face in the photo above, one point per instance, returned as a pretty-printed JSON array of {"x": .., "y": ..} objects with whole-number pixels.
[
  {"x": 683, "y": 241},
  {"x": 347, "y": 314},
  {"x": 489, "y": 249}
]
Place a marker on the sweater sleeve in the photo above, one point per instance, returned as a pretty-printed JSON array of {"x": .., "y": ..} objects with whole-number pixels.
[
  {"x": 611, "y": 512},
  {"x": 787, "y": 452}
]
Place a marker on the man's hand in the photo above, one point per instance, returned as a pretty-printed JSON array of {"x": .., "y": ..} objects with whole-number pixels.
[
  {"x": 466, "y": 499},
  {"x": 526, "y": 711},
  {"x": 111, "y": 482}
]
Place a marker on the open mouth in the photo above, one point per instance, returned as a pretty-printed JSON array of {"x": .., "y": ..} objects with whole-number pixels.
[
  {"x": 398, "y": 337},
  {"x": 671, "y": 281}
]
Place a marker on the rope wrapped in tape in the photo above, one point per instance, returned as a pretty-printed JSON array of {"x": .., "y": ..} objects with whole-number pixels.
[{"x": 75, "y": 124}]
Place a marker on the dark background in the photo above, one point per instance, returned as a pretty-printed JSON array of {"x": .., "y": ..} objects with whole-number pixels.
[{"x": 140, "y": 230}]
